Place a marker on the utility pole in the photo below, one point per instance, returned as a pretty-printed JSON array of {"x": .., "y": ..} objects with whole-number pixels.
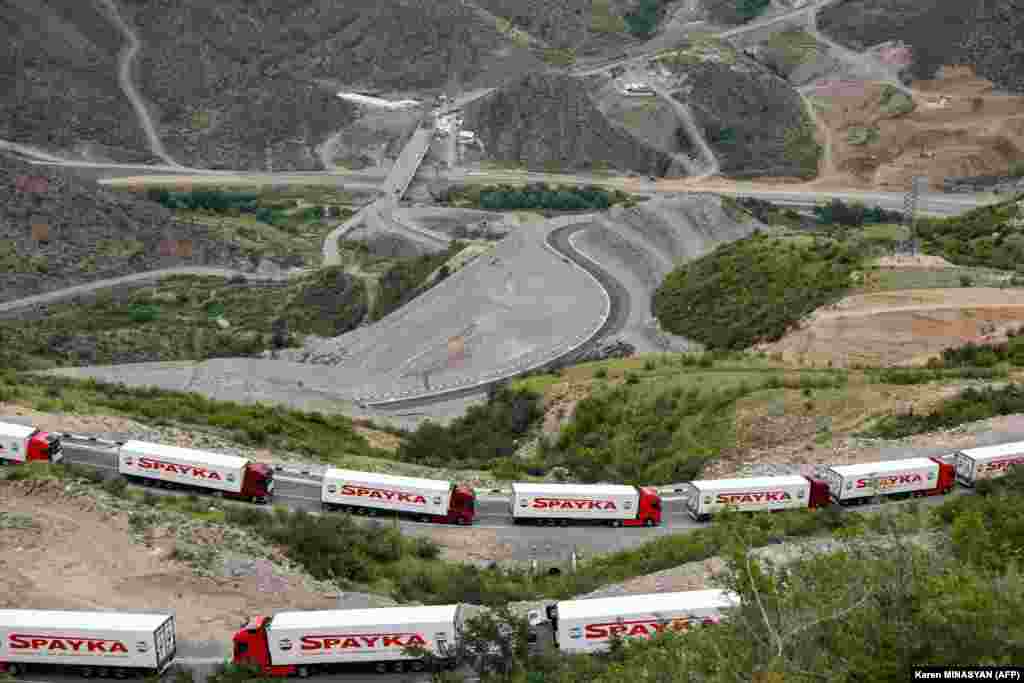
[{"x": 910, "y": 208}]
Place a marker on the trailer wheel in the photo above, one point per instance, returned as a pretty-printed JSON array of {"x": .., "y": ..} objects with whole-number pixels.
[
  {"x": 616, "y": 523},
  {"x": 88, "y": 672},
  {"x": 120, "y": 673},
  {"x": 417, "y": 665},
  {"x": 15, "y": 669},
  {"x": 303, "y": 671},
  {"x": 398, "y": 667},
  {"x": 381, "y": 668}
]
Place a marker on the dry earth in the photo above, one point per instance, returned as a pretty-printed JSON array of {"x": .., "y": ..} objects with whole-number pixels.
[
  {"x": 78, "y": 557},
  {"x": 959, "y": 127},
  {"x": 896, "y": 328}
]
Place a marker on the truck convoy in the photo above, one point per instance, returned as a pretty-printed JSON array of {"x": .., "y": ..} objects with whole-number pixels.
[
  {"x": 603, "y": 503},
  {"x": 28, "y": 444},
  {"x": 428, "y": 500},
  {"x": 585, "y": 626},
  {"x": 987, "y": 462},
  {"x": 173, "y": 467},
  {"x": 704, "y": 498},
  {"x": 88, "y": 643},
  {"x": 896, "y": 478},
  {"x": 302, "y": 643}
]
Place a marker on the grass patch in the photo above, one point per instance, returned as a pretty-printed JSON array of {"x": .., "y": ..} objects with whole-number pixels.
[
  {"x": 178, "y": 320},
  {"x": 558, "y": 56},
  {"x": 802, "y": 149},
  {"x": 888, "y": 279},
  {"x": 893, "y": 102},
  {"x": 327, "y": 438},
  {"x": 754, "y": 289},
  {"x": 604, "y": 20},
  {"x": 791, "y": 48},
  {"x": 643, "y": 21},
  {"x": 859, "y": 135}
]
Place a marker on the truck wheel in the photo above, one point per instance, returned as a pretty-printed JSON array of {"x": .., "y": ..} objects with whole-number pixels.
[
  {"x": 648, "y": 522},
  {"x": 616, "y": 523},
  {"x": 303, "y": 671},
  {"x": 14, "y": 669}
]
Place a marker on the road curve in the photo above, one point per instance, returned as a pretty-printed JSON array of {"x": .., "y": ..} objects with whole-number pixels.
[
  {"x": 124, "y": 75},
  {"x": 619, "y": 309}
]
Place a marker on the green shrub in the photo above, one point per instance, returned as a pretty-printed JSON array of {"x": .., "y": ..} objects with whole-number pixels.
[
  {"x": 478, "y": 438},
  {"x": 601, "y": 373},
  {"x": 753, "y": 289},
  {"x": 407, "y": 279},
  {"x": 970, "y": 406},
  {"x": 980, "y": 237},
  {"x": 143, "y": 313},
  {"x": 115, "y": 486}
]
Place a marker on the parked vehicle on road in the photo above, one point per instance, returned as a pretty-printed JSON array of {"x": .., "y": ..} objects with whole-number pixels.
[
  {"x": 304, "y": 643},
  {"x": 428, "y": 500},
  {"x": 987, "y": 462},
  {"x": 100, "y": 644},
  {"x": 586, "y": 626},
  {"x": 754, "y": 494},
  {"x": 173, "y": 467},
  {"x": 19, "y": 443},
  {"x": 589, "y": 503},
  {"x": 893, "y": 479}
]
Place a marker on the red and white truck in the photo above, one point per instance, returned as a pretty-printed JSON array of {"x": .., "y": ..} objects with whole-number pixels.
[
  {"x": 174, "y": 467},
  {"x": 564, "y": 503},
  {"x": 302, "y": 643},
  {"x": 19, "y": 443},
  {"x": 584, "y": 626},
  {"x": 429, "y": 500},
  {"x": 987, "y": 462},
  {"x": 93, "y": 643},
  {"x": 756, "y": 494},
  {"x": 915, "y": 476}
]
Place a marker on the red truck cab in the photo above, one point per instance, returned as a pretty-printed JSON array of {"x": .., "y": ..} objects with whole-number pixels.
[
  {"x": 461, "y": 507},
  {"x": 648, "y": 509},
  {"x": 20, "y": 443},
  {"x": 946, "y": 480},
  {"x": 45, "y": 447},
  {"x": 250, "y": 647},
  {"x": 258, "y": 483},
  {"x": 819, "y": 496}
]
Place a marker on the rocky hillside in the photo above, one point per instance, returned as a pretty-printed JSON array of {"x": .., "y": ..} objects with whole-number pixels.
[
  {"x": 583, "y": 25},
  {"x": 228, "y": 81},
  {"x": 57, "y": 231},
  {"x": 982, "y": 33},
  {"x": 58, "y": 81},
  {"x": 548, "y": 121},
  {"x": 754, "y": 120}
]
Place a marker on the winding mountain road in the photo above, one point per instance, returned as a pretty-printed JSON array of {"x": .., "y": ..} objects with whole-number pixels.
[{"x": 124, "y": 76}]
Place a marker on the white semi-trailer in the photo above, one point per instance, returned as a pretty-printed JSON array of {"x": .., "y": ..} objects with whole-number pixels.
[
  {"x": 19, "y": 443},
  {"x": 302, "y": 643},
  {"x": 987, "y": 462},
  {"x": 372, "y": 493},
  {"x": 584, "y": 626},
  {"x": 604, "y": 503},
  {"x": 914, "y": 476},
  {"x": 755, "y": 494},
  {"x": 93, "y": 643},
  {"x": 228, "y": 475}
]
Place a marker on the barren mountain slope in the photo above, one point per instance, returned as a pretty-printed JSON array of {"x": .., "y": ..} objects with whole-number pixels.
[
  {"x": 57, "y": 231},
  {"x": 58, "y": 81},
  {"x": 984, "y": 34},
  {"x": 547, "y": 120}
]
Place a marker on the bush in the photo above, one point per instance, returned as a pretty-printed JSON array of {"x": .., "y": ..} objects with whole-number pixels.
[
  {"x": 478, "y": 438},
  {"x": 970, "y": 406},
  {"x": 601, "y": 373},
  {"x": 541, "y": 196},
  {"x": 407, "y": 279},
  {"x": 115, "y": 486},
  {"x": 753, "y": 289},
  {"x": 980, "y": 237}
]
